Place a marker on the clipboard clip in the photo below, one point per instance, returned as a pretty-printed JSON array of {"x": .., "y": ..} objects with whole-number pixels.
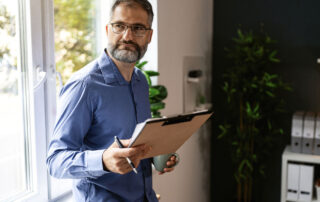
[{"x": 178, "y": 119}]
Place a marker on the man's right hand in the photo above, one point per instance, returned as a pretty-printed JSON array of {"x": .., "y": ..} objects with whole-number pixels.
[{"x": 114, "y": 160}]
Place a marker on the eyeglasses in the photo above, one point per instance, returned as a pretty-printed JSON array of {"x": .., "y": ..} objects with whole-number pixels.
[{"x": 137, "y": 30}]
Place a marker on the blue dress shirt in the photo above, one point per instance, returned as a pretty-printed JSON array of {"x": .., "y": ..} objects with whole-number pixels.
[{"x": 94, "y": 106}]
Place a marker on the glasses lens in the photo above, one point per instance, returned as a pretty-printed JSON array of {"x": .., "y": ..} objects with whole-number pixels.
[
  {"x": 118, "y": 28},
  {"x": 139, "y": 30}
]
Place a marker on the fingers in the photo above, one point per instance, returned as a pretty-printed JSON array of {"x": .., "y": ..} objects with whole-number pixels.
[
  {"x": 117, "y": 165},
  {"x": 124, "y": 169},
  {"x": 166, "y": 170},
  {"x": 171, "y": 162},
  {"x": 138, "y": 151},
  {"x": 173, "y": 158},
  {"x": 170, "y": 165},
  {"x": 114, "y": 158}
]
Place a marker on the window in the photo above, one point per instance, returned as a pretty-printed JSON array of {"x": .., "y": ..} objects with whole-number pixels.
[
  {"x": 75, "y": 34},
  {"x": 15, "y": 154}
]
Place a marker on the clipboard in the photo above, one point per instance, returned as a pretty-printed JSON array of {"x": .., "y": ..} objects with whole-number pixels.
[{"x": 167, "y": 135}]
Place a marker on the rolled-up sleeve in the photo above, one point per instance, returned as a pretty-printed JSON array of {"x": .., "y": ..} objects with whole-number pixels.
[{"x": 65, "y": 156}]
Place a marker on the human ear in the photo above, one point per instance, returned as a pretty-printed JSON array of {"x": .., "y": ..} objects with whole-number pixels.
[
  {"x": 150, "y": 35},
  {"x": 107, "y": 33}
]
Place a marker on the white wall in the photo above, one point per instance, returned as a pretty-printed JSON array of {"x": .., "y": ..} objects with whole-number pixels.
[{"x": 185, "y": 28}]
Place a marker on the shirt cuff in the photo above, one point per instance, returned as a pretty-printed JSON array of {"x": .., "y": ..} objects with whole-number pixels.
[{"x": 94, "y": 163}]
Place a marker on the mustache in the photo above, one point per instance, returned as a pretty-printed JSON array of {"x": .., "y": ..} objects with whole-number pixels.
[{"x": 128, "y": 42}]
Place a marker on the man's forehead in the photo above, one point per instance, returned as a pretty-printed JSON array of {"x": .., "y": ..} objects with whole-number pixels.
[{"x": 130, "y": 13}]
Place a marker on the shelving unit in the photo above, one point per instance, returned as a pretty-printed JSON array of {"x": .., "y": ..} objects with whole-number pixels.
[{"x": 288, "y": 156}]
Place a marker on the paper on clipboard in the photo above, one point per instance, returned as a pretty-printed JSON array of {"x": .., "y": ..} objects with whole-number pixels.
[{"x": 167, "y": 135}]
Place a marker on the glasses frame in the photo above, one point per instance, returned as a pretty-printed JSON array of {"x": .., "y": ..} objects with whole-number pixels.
[{"x": 129, "y": 26}]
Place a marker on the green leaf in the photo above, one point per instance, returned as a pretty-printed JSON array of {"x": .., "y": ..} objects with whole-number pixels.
[
  {"x": 273, "y": 76},
  {"x": 272, "y": 57},
  {"x": 157, "y": 106},
  {"x": 141, "y": 65},
  {"x": 269, "y": 93},
  {"x": 281, "y": 131},
  {"x": 163, "y": 92},
  {"x": 155, "y": 114},
  {"x": 249, "y": 111},
  {"x": 220, "y": 136},
  {"x": 254, "y": 157},
  {"x": 249, "y": 165},
  {"x": 153, "y": 92},
  {"x": 224, "y": 130},
  {"x": 268, "y": 39},
  {"x": 254, "y": 85},
  {"x": 259, "y": 52},
  {"x": 152, "y": 73},
  {"x": 269, "y": 125},
  {"x": 271, "y": 85},
  {"x": 225, "y": 87},
  {"x": 240, "y": 168},
  {"x": 256, "y": 108},
  {"x": 234, "y": 143},
  {"x": 147, "y": 77}
]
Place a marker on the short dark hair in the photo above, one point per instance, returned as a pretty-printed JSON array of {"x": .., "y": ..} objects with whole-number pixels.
[{"x": 145, "y": 5}]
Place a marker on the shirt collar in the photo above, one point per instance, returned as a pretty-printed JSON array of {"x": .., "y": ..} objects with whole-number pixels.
[{"x": 111, "y": 72}]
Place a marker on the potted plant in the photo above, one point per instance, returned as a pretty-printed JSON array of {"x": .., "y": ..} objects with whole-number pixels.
[
  {"x": 253, "y": 105},
  {"x": 157, "y": 93}
]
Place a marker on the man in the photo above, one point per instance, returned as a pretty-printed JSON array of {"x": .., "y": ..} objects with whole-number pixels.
[{"x": 107, "y": 98}]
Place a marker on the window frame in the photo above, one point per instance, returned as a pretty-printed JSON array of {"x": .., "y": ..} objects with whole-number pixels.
[{"x": 37, "y": 141}]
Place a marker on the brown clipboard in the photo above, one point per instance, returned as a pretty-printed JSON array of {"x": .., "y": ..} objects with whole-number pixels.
[{"x": 167, "y": 135}]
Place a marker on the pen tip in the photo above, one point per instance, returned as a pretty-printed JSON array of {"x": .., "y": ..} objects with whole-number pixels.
[{"x": 135, "y": 170}]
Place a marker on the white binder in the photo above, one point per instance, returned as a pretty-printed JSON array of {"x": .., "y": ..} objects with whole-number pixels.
[
  {"x": 308, "y": 133},
  {"x": 316, "y": 146},
  {"x": 293, "y": 182},
  {"x": 297, "y": 132},
  {"x": 306, "y": 183}
]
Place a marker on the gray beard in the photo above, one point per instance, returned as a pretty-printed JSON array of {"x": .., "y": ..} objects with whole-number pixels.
[{"x": 126, "y": 56}]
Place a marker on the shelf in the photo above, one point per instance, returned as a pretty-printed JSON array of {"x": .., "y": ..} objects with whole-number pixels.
[
  {"x": 300, "y": 157},
  {"x": 288, "y": 156}
]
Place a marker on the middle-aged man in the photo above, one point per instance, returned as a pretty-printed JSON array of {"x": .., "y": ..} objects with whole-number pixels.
[{"x": 107, "y": 98}]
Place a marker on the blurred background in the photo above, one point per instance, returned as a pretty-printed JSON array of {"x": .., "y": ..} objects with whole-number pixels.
[{"x": 254, "y": 63}]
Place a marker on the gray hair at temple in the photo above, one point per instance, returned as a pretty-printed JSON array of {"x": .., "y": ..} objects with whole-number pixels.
[{"x": 144, "y": 4}]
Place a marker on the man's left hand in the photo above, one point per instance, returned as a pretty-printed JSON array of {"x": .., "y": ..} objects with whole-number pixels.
[{"x": 170, "y": 165}]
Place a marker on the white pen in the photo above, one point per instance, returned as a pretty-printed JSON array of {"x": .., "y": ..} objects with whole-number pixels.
[{"x": 116, "y": 139}]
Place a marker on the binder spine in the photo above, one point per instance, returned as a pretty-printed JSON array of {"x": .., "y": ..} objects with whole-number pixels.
[
  {"x": 297, "y": 132},
  {"x": 316, "y": 146},
  {"x": 308, "y": 133}
]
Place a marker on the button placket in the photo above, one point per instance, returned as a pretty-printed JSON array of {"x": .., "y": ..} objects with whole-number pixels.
[{"x": 134, "y": 100}]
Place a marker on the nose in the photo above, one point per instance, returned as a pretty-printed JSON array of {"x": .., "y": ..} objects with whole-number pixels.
[{"x": 128, "y": 35}]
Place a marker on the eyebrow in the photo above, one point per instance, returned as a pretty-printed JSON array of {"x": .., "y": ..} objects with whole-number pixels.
[{"x": 121, "y": 22}]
